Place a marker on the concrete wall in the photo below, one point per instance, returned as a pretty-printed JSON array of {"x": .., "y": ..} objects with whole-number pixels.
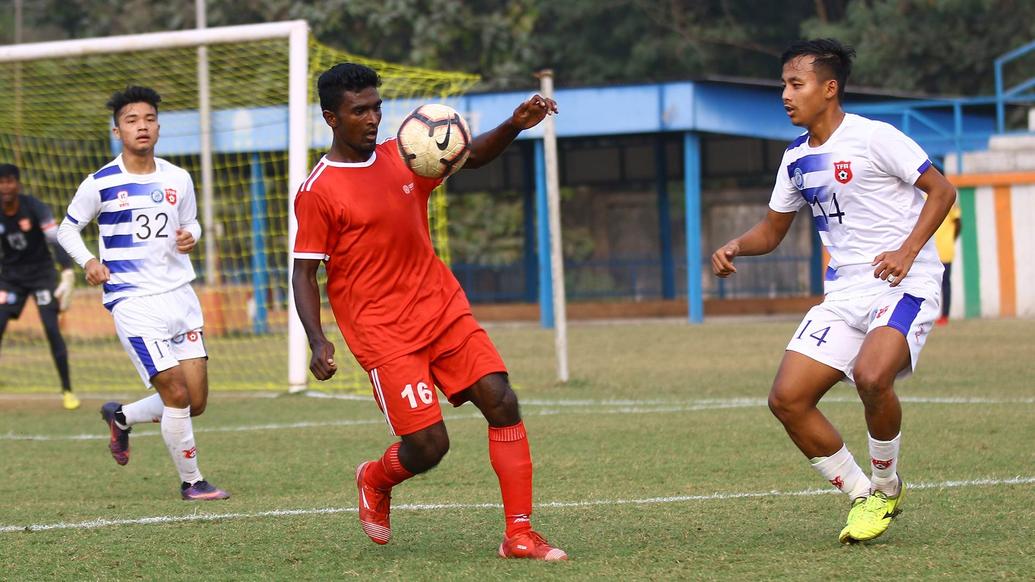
[{"x": 994, "y": 271}]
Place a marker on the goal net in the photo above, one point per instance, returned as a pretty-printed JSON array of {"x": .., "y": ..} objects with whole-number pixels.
[{"x": 55, "y": 127}]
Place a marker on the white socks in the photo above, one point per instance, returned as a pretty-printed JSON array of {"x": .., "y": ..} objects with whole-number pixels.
[
  {"x": 841, "y": 470},
  {"x": 178, "y": 434},
  {"x": 884, "y": 458},
  {"x": 144, "y": 410}
]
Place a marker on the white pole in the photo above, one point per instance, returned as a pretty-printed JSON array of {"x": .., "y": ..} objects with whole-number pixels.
[
  {"x": 298, "y": 149},
  {"x": 553, "y": 198},
  {"x": 208, "y": 212},
  {"x": 149, "y": 41},
  {"x": 18, "y": 16}
]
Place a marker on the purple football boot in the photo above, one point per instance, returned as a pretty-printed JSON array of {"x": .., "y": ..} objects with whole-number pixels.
[
  {"x": 119, "y": 442},
  {"x": 202, "y": 491}
]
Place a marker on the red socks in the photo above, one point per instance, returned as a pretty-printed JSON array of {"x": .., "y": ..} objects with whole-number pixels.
[
  {"x": 510, "y": 458},
  {"x": 512, "y": 461},
  {"x": 388, "y": 471}
]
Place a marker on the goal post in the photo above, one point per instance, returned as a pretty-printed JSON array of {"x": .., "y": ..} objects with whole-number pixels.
[{"x": 266, "y": 132}]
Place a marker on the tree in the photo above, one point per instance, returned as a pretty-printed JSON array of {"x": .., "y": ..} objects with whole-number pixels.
[
  {"x": 491, "y": 38},
  {"x": 613, "y": 41},
  {"x": 943, "y": 47}
]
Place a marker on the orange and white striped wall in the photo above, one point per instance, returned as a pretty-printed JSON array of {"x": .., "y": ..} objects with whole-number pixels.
[{"x": 993, "y": 274}]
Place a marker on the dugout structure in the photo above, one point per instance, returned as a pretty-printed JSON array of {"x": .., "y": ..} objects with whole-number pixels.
[{"x": 244, "y": 120}]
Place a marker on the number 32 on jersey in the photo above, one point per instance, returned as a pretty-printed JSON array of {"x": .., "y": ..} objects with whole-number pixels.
[{"x": 150, "y": 224}]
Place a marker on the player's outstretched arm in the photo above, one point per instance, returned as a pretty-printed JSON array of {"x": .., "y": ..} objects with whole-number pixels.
[
  {"x": 894, "y": 265},
  {"x": 489, "y": 145},
  {"x": 761, "y": 239},
  {"x": 307, "y": 303}
]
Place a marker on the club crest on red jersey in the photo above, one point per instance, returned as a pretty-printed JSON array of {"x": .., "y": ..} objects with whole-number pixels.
[
  {"x": 843, "y": 172},
  {"x": 170, "y": 196}
]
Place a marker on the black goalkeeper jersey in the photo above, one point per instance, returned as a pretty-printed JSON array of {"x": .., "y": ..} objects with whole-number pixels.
[{"x": 24, "y": 251}]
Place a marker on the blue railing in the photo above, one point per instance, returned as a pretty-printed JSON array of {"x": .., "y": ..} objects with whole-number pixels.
[
  {"x": 639, "y": 278},
  {"x": 939, "y": 125},
  {"x": 1014, "y": 94}
]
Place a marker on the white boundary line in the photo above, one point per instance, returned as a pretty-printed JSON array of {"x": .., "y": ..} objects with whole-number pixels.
[
  {"x": 231, "y": 395},
  {"x": 563, "y": 408},
  {"x": 203, "y": 517}
]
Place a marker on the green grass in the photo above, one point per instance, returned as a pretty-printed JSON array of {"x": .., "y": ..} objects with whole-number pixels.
[
  {"x": 243, "y": 362},
  {"x": 649, "y": 414}
]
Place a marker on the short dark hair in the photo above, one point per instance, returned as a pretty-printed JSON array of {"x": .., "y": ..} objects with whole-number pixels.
[
  {"x": 132, "y": 94},
  {"x": 829, "y": 54},
  {"x": 344, "y": 77},
  {"x": 8, "y": 170}
]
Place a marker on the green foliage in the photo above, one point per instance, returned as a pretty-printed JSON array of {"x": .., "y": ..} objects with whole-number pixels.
[
  {"x": 492, "y": 38},
  {"x": 611, "y": 41},
  {"x": 945, "y": 47},
  {"x": 486, "y": 228}
]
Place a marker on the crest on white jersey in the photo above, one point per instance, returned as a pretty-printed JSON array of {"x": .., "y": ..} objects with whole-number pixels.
[
  {"x": 843, "y": 172},
  {"x": 798, "y": 178}
]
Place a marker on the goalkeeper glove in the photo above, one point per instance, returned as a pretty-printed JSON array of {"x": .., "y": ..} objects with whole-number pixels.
[{"x": 63, "y": 293}]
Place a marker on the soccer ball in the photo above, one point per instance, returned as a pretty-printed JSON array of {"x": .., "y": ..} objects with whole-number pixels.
[{"x": 434, "y": 140}]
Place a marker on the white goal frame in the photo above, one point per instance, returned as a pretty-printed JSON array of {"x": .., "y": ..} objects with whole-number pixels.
[{"x": 296, "y": 32}]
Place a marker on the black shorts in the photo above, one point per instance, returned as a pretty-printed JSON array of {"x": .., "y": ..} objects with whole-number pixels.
[{"x": 15, "y": 291}]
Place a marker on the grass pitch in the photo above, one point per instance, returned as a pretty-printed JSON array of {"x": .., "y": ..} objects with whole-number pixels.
[{"x": 659, "y": 460}]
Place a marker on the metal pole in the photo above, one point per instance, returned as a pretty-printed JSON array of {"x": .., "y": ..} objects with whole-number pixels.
[
  {"x": 692, "y": 190},
  {"x": 260, "y": 269},
  {"x": 542, "y": 218},
  {"x": 18, "y": 21},
  {"x": 553, "y": 195},
  {"x": 298, "y": 144},
  {"x": 149, "y": 41},
  {"x": 208, "y": 212},
  {"x": 1000, "y": 108},
  {"x": 18, "y": 16}
]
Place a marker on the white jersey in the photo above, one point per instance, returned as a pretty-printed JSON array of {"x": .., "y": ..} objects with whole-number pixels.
[
  {"x": 137, "y": 216},
  {"x": 860, "y": 186}
]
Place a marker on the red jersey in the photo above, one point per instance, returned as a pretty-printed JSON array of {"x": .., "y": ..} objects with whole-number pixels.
[{"x": 391, "y": 295}]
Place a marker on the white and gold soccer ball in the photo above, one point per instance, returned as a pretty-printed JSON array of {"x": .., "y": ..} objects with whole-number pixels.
[{"x": 434, "y": 140}]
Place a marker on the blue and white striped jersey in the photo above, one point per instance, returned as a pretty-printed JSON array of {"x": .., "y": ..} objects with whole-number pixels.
[
  {"x": 137, "y": 216},
  {"x": 860, "y": 187}
]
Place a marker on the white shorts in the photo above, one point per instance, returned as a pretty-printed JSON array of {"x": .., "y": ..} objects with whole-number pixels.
[
  {"x": 833, "y": 331},
  {"x": 158, "y": 331}
]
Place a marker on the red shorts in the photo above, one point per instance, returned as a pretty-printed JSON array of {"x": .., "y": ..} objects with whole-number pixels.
[{"x": 404, "y": 388}]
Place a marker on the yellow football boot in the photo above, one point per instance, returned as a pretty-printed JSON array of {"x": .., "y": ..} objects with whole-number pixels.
[
  {"x": 69, "y": 400},
  {"x": 869, "y": 519}
]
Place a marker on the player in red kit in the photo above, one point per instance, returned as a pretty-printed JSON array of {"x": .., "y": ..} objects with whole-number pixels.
[{"x": 401, "y": 310}]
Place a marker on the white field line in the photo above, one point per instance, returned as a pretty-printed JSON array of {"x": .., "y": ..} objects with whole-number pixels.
[
  {"x": 261, "y": 395},
  {"x": 203, "y": 517},
  {"x": 562, "y": 408},
  {"x": 756, "y": 401}
]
